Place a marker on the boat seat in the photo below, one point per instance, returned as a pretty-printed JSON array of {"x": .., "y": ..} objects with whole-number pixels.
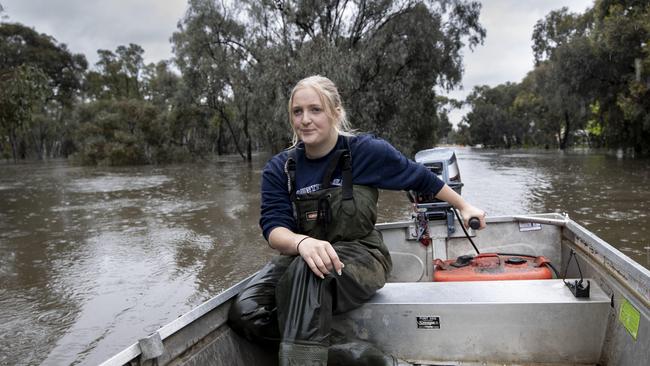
[{"x": 529, "y": 321}]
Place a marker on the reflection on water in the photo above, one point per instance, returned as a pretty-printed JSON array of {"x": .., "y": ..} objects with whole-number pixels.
[
  {"x": 91, "y": 259},
  {"x": 115, "y": 183}
]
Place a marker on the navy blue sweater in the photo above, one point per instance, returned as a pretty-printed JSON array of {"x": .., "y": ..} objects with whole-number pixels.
[{"x": 375, "y": 163}]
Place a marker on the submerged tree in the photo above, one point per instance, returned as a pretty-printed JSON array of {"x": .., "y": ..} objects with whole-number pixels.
[
  {"x": 22, "y": 91},
  {"x": 211, "y": 54},
  {"x": 135, "y": 113},
  {"x": 591, "y": 74},
  {"x": 623, "y": 35},
  {"x": 24, "y": 53},
  {"x": 493, "y": 120}
]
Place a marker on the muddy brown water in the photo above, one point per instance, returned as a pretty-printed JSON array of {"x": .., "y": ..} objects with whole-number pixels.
[{"x": 91, "y": 259}]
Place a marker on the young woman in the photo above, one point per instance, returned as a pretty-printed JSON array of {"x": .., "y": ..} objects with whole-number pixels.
[{"x": 319, "y": 208}]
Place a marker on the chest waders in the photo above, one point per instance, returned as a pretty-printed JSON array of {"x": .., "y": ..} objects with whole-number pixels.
[{"x": 286, "y": 302}]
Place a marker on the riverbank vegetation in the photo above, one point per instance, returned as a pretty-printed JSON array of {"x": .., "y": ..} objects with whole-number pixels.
[
  {"x": 590, "y": 85},
  {"x": 225, "y": 89}
]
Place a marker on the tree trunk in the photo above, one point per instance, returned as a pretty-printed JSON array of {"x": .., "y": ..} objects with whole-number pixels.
[
  {"x": 564, "y": 140},
  {"x": 220, "y": 140},
  {"x": 38, "y": 137},
  {"x": 249, "y": 154},
  {"x": 38, "y": 147},
  {"x": 232, "y": 132},
  {"x": 12, "y": 141}
]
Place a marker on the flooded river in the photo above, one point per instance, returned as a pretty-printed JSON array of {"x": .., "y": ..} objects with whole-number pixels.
[{"x": 91, "y": 259}]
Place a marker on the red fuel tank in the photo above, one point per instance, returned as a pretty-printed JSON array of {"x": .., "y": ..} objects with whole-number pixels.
[{"x": 492, "y": 267}]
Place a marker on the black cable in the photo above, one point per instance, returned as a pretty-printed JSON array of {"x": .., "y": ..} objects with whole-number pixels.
[
  {"x": 460, "y": 221},
  {"x": 557, "y": 274},
  {"x": 572, "y": 254}
]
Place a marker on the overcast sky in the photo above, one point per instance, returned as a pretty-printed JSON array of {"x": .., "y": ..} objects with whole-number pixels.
[{"x": 88, "y": 25}]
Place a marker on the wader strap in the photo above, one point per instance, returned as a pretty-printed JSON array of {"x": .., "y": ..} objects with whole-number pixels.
[
  {"x": 290, "y": 170},
  {"x": 347, "y": 171},
  {"x": 340, "y": 156}
]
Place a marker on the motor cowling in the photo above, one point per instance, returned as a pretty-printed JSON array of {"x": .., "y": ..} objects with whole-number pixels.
[{"x": 443, "y": 163}]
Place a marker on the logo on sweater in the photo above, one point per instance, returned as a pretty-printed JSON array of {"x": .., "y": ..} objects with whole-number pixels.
[
  {"x": 317, "y": 187},
  {"x": 311, "y": 216}
]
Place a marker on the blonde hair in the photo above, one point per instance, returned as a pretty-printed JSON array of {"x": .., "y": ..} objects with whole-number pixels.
[{"x": 331, "y": 100}]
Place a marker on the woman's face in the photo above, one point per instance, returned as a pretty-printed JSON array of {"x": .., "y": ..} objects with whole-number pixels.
[{"x": 311, "y": 123}]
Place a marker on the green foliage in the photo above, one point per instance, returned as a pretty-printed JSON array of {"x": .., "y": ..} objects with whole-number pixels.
[
  {"x": 41, "y": 79},
  {"x": 493, "y": 120},
  {"x": 139, "y": 114},
  {"x": 591, "y": 78},
  {"x": 22, "y": 91},
  {"x": 20, "y": 45},
  {"x": 238, "y": 62},
  {"x": 118, "y": 74},
  {"x": 624, "y": 30},
  {"x": 594, "y": 128},
  {"x": 160, "y": 85},
  {"x": 211, "y": 54},
  {"x": 386, "y": 57},
  {"x": 120, "y": 132}
]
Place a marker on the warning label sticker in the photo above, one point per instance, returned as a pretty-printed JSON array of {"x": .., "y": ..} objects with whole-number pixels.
[
  {"x": 630, "y": 317},
  {"x": 428, "y": 322},
  {"x": 529, "y": 226}
]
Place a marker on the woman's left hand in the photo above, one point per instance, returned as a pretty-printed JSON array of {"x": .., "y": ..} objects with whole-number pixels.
[{"x": 320, "y": 256}]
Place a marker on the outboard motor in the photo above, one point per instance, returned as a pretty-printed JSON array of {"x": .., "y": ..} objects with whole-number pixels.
[{"x": 442, "y": 162}]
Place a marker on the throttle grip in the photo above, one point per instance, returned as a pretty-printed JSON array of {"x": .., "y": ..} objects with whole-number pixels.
[{"x": 474, "y": 223}]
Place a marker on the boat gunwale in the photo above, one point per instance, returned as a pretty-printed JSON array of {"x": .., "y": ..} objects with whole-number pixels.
[
  {"x": 630, "y": 274},
  {"x": 174, "y": 326}
]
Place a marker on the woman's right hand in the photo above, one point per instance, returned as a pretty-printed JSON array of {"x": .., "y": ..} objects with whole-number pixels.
[
  {"x": 468, "y": 211},
  {"x": 320, "y": 256}
]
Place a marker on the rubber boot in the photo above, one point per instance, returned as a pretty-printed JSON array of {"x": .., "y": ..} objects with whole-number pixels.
[
  {"x": 294, "y": 354},
  {"x": 354, "y": 352}
]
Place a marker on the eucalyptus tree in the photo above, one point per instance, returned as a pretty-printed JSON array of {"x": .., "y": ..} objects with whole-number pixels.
[
  {"x": 131, "y": 112},
  {"x": 160, "y": 84},
  {"x": 117, "y": 75},
  {"x": 622, "y": 34},
  {"x": 48, "y": 125},
  {"x": 211, "y": 51},
  {"x": 493, "y": 120},
  {"x": 600, "y": 62},
  {"x": 566, "y": 71},
  {"x": 387, "y": 57},
  {"x": 534, "y": 111},
  {"x": 22, "y": 90}
]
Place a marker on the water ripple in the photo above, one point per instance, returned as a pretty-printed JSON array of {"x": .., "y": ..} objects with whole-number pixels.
[{"x": 114, "y": 183}]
